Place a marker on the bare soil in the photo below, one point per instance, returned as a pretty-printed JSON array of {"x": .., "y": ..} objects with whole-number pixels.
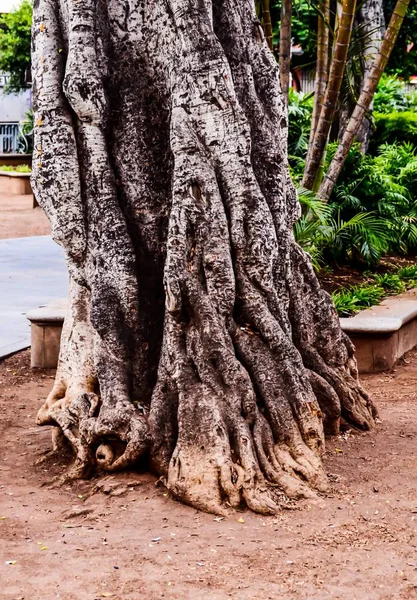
[
  {"x": 19, "y": 219},
  {"x": 123, "y": 537}
]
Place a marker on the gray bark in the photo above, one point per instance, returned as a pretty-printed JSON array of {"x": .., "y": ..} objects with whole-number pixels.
[
  {"x": 371, "y": 24},
  {"x": 198, "y": 336}
]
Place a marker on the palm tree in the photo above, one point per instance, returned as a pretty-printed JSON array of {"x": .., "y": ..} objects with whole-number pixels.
[
  {"x": 322, "y": 68},
  {"x": 365, "y": 99},
  {"x": 337, "y": 69},
  {"x": 285, "y": 47}
]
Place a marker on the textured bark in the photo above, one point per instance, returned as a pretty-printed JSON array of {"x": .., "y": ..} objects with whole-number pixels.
[
  {"x": 337, "y": 69},
  {"x": 365, "y": 99},
  {"x": 285, "y": 47},
  {"x": 198, "y": 338},
  {"x": 371, "y": 17},
  {"x": 370, "y": 28},
  {"x": 322, "y": 66}
]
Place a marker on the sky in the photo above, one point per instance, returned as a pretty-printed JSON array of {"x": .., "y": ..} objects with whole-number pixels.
[{"x": 7, "y": 5}]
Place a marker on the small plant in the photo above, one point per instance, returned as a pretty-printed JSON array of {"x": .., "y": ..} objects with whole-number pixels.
[
  {"x": 349, "y": 301},
  {"x": 352, "y": 300},
  {"x": 16, "y": 169},
  {"x": 390, "y": 282}
]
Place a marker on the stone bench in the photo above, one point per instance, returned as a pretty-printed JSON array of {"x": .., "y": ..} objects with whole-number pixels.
[
  {"x": 45, "y": 334},
  {"x": 12, "y": 182},
  {"x": 382, "y": 334}
]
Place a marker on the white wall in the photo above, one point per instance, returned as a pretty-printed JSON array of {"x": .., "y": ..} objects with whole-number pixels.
[{"x": 8, "y": 5}]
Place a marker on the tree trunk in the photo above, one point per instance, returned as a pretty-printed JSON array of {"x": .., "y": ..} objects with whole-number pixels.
[
  {"x": 322, "y": 66},
  {"x": 285, "y": 47},
  {"x": 370, "y": 29},
  {"x": 267, "y": 22},
  {"x": 371, "y": 16},
  {"x": 365, "y": 99},
  {"x": 337, "y": 69},
  {"x": 198, "y": 338}
]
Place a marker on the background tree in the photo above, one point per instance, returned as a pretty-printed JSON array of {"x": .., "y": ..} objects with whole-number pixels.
[
  {"x": 198, "y": 338},
  {"x": 365, "y": 99},
  {"x": 15, "y": 28}
]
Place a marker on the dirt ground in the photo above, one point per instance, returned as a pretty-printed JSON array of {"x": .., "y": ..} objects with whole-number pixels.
[
  {"x": 123, "y": 537},
  {"x": 19, "y": 219}
]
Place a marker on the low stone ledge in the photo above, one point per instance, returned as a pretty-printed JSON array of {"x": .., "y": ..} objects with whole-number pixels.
[
  {"x": 45, "y": 333},
  {"x": 383, "y": 334},
  {"x": 12, "y": 182}
]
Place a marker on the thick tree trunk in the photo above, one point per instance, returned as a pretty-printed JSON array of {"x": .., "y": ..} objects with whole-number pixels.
[
  {"x": 198, "y": 337},
  {"x": 365, "y": 99}
]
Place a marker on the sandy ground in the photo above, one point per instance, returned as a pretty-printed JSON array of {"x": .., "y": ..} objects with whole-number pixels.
[
  {"x": 123, "y": 537},
  {"x": 19, "y": 219}
]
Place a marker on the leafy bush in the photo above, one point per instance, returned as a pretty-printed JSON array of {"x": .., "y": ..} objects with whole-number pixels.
[
  {"x": 327, "y": 237},
  {"x": 351, "y": 300},
  {"x": 17, "y": 169},
  {"x": 300, "y": 111},
  {"x": 385, "y": 186},
  {"x": 394, "y": 127},
  {"x": 15, "y": 34},
  {"x": 391, "y": 95}
]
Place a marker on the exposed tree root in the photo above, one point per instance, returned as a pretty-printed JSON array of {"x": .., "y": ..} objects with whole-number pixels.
[{"x": 172, "y": 187}]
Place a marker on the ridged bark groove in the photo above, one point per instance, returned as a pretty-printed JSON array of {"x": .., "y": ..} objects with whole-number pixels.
[{"x": 198, "y": 336}]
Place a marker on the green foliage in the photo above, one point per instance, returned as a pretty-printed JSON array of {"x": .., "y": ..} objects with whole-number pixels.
[
  {"x": 394, "y": 127},
  {"x": 390, "y": 282},
  {"x": 385, "y": 186},
  {"x": 349, "y": 301},
  {"x": 328, "y": 238},
  {"x": 303, "y": 28},
  {"x": 402, "y": 61},
  {"x": 16, "y": 169},
  {"x": 300, "y": 110},
  {"x": 391, "y": 95},
  {"x": 26, "y": 133},
  {"x": 15, "y": 35}
]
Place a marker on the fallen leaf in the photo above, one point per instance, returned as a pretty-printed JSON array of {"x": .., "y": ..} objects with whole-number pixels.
[
  {"x": 338, "y": 450},
  {"x": 44, "y": 548},
  {"x": 241, "y": 520}
]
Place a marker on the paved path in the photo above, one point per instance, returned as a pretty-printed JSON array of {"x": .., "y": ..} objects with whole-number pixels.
[{"x": 32, "y": 273}]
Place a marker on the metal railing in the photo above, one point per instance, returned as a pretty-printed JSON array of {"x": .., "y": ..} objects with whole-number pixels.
[
  {"x": 16, "y": 138},
  {"x": 9, "y": 138}
]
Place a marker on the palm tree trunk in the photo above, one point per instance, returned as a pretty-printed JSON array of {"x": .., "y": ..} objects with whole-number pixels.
[
  {"x": 266, "y": 22},
  {"x": 322, "y": 69},
  {"x": 365, "y": 99},
  {"x": 337, "y": 70},
  {"x": 285, "y": 46}
]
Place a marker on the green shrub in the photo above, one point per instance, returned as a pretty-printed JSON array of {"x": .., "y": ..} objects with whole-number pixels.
[
  {"x": 300, "y": 111},
  {"x": 394, "y": 127},
  {"x": 349, "y": 301},
  {"x": 17, "y": 169},
  {"x": 391, "y": 95}
]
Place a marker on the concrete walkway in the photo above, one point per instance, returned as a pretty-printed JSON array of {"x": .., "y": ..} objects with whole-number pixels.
[{"x": 32, "y": 273}]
